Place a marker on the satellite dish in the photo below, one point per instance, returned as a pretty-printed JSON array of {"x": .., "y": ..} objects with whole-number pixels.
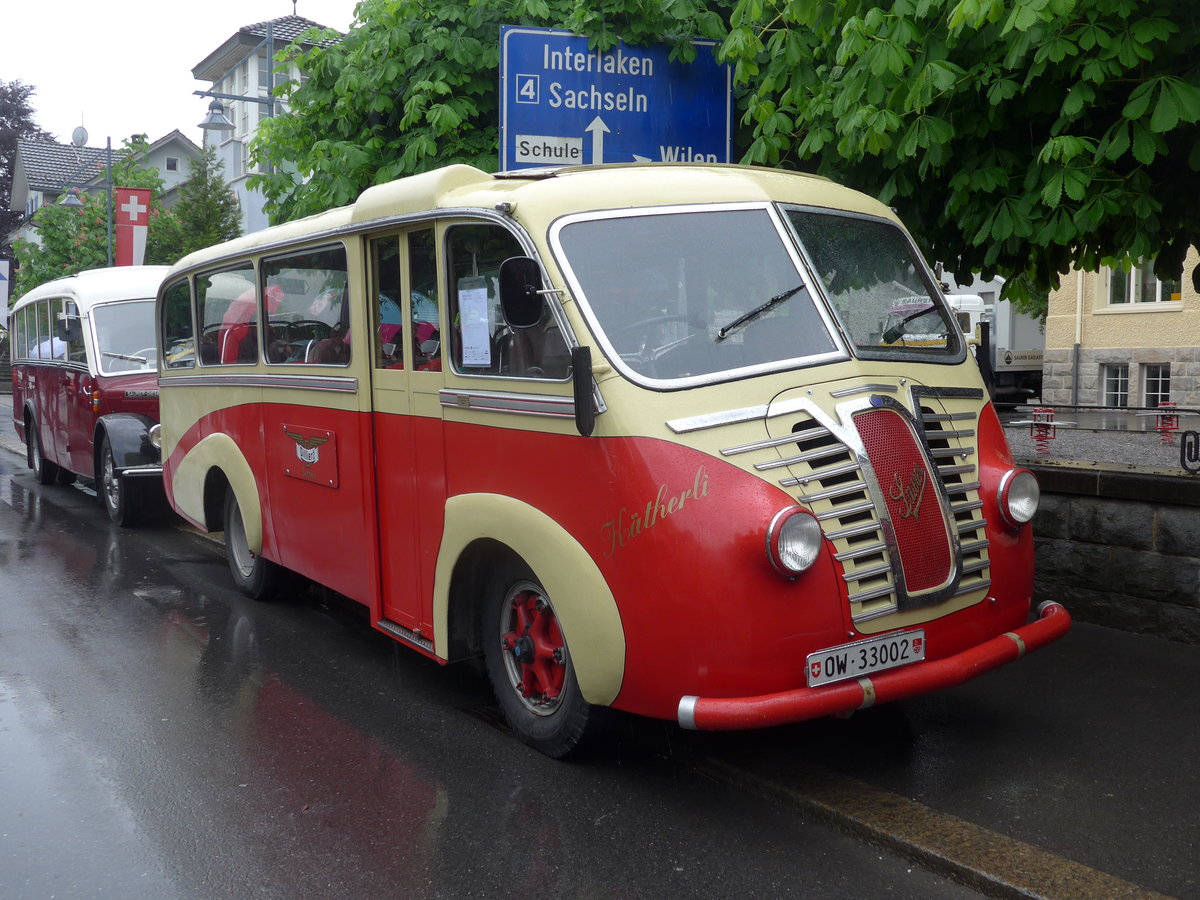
[{"x": 79, "y": 136}]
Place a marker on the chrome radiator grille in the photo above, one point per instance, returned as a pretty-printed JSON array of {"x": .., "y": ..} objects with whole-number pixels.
[{"x": 823, "y": 464}]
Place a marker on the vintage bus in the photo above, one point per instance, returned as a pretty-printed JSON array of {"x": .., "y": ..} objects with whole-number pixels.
[
  {"x": 634, "y": 435},
  {"x": 85, "y": 384}
]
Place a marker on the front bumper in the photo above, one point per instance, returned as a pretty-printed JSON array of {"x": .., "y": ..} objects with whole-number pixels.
[{"x": 734, "y": 713}]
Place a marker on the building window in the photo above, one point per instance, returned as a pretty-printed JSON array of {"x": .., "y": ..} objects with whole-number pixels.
[
  {"x": 1116, "y": 384},
  {"x": 1156, "y": 383},
  {"x": 172, "y": 164},
  {"x": 1139, "y": 285}
]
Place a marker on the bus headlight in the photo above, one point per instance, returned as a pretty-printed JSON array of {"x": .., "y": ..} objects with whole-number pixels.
[
  {"x": 156, "y": 436},
  {"x": 793, "y": 540},
  {"x": 1019, "y": 496}
]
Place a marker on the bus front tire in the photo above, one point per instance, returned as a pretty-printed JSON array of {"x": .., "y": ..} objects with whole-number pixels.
[
  {"x": 121, "y": 498},
  {"x": 529, "y": 666},
  {"x": 44, "y": 471},
  {"x": 257, "y": 578}
]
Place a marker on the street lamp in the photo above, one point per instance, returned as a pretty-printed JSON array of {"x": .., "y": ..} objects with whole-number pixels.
[
  {"x": 71, "y": 198},
  {"x": 216, "y": 120}
]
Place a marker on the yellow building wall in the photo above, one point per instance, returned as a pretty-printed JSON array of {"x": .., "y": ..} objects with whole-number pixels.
[{"x": 1133, "y": 334}]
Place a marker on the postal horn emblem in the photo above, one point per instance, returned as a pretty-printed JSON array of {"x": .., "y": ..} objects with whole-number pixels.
[{"x": 308, "y": 448}]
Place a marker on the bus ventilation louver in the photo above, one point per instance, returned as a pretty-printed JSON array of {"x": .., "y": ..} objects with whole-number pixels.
[{"x": 827, "y": 475}]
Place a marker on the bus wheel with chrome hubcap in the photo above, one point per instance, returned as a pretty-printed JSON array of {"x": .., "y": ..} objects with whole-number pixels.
[
  {"x": 530, "y": 667},
  {"x": 120, "y": 498},
  {"x": 257, "y": 578}
]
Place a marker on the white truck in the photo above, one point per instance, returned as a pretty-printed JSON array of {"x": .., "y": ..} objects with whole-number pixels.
[{"x": 1017, "y": 343}]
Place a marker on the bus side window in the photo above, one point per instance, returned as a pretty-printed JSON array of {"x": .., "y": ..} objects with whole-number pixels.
[
  {"x": 227, "y": 310},
  {"x": 483, "y": 344},
  {"x": 178, "y": 338},
  {"x": 49, "y": 346},
  {"x": 306, "y": 307},
  {"x": 422, "y": 282},
  {"x": 389, "y": 323},
  {"x": 76, "y": 351}
]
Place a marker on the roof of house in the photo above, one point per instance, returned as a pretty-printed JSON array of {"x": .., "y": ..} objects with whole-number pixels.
[
  {"x": 246, "y": 40},
  {"x": 48, "y": 165}
]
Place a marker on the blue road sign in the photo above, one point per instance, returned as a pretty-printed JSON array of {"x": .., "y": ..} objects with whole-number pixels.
[{"x": 563, "y": 104}]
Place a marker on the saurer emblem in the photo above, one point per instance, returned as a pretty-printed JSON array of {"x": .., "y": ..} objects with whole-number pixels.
[{"x": 909, "y": 494}]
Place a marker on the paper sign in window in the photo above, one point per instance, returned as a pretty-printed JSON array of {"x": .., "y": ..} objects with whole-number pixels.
[{"x": 473, "y": 312}]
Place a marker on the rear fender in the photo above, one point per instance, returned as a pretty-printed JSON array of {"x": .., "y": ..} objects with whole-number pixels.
[
  {"x": 583, "y": 602},
  {"x": 218, "y": 451}
]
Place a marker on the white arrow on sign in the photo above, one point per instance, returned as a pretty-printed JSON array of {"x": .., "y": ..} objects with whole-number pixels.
[{"x": 598, "y": 130}]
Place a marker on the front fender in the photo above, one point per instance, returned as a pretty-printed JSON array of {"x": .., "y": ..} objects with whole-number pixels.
[
  {"x": 586, "y": 608},
  {"x": 218, "y": 451},
  {"x": 129, "y": 436}
]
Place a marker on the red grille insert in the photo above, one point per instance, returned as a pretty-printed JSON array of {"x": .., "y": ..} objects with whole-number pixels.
[{"x": 911, "y": 495}]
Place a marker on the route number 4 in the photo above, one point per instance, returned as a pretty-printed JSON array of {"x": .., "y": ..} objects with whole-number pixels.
[{"x": 528, "y": 88}]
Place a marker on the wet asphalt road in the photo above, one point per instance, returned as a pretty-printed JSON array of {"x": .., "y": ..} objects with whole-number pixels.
[{"x": 162, "y": 737}]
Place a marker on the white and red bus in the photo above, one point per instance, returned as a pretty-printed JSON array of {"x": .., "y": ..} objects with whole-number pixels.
[
  {"x": 648, "y": 437},
  {"x": 85, "y": 383}
]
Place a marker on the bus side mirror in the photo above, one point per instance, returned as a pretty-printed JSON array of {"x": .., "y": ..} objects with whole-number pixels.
[
  {"x": 69, "y": 328},
  {"x": 520, "y": 300},
  {"x": 581, "y": 378}
]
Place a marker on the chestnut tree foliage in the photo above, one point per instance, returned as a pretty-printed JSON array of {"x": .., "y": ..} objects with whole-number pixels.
[{"x": 1015, "y": 137}]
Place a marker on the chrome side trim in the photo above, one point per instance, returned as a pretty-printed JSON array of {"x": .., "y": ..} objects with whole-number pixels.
[
  {"x": 716, "y": 419},
  {"x": 864, "y": 389},
  {"x": 509, "y": 402},
  {"x": 340, "y": 384}
]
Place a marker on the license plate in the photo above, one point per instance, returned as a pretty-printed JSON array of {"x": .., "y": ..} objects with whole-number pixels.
[{"x": 866, "y": 656}]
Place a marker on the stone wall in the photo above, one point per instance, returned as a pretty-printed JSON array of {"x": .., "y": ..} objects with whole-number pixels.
[
  {"x": 1058, "y": 371},
  {"x": 1121, "y": 549}
]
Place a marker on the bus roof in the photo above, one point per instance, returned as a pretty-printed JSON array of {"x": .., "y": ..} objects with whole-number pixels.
[
  {"x": 99, "y": 286},
  {"x": 546, "y": 194}
]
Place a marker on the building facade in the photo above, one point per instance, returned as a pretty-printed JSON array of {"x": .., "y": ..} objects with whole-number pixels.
[
  {"x": 44, "y": 169},
  {"x": 244, "y": 76},
  {"x": 1124, "y": 339}
]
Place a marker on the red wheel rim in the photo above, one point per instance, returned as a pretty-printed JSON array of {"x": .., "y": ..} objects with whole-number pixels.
[{"x": 535, "y": 654}]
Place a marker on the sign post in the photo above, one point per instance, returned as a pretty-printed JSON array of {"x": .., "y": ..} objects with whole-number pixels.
[{"x": 563, "y": 104}]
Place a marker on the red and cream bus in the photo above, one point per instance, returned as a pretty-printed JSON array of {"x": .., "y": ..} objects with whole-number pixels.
[
  {"x": 85, "y": 384},
  {"x": 648, "y": 437}
]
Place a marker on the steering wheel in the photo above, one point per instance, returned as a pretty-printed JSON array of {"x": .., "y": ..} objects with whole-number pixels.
[
  {"x": 644, "y": 353},
  {"x": 306, "y": 329}
]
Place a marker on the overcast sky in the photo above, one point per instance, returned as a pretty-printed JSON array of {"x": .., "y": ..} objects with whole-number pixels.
[{"x": 126, "y": 68}]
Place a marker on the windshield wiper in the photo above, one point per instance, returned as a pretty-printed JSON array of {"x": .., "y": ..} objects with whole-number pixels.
[
  {"x": 113, "y": 353},
  {"x": 893, "y": 334},
  {"x": 757, "y": 311}
]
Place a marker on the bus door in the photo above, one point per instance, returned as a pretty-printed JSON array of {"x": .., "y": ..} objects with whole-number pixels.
[
  {"x": 54, "y": 383},
  {"x": 77, "y": 395},
  {"x": 409, "y": 460}
]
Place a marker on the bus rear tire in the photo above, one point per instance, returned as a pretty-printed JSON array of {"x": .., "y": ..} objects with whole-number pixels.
[
  {"x": 529, "y": 666},
  {"x": 44, "y": 471},
  {"x": 122, "y": 500},
  {"x": 257, "y": 578}
]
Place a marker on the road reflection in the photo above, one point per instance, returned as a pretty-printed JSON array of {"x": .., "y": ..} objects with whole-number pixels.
[{"x": 296, "y": 746}]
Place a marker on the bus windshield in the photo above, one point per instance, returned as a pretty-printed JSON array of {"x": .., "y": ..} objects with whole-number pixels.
[
  {"x": 680, "y": 295},
  {"x": 877, "y": 286},
  {"x": 125, "y": 336}
]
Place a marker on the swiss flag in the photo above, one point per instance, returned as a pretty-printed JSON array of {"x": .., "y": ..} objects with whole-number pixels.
[{"x": 130, "y": 218}]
